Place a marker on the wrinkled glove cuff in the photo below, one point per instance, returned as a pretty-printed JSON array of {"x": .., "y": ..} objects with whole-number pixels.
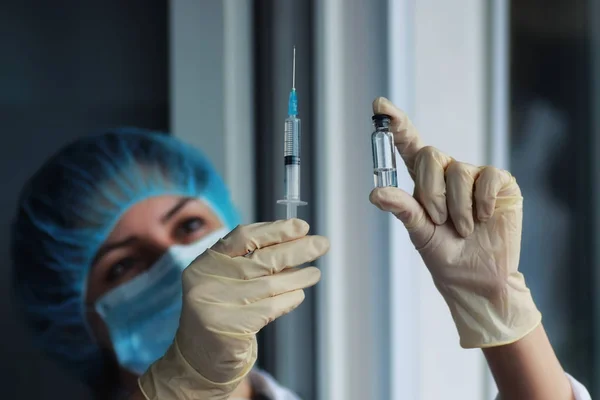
[
  {"x": 173, "y": 378},
  {"x": 495, "y": 317}
]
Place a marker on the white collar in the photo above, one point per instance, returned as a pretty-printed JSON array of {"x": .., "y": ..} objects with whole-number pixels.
[{"x": 264, "y": 384}]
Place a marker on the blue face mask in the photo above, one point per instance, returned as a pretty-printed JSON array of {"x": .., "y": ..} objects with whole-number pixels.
[{"x": 142, "y": 315}]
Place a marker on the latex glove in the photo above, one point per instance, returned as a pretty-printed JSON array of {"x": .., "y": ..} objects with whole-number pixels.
[
  {"x": 228, "y": 296},
  {"x": 465, "y": 221}
]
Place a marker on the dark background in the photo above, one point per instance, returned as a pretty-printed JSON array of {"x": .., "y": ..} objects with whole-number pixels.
[{"x": 68, "y": 69}]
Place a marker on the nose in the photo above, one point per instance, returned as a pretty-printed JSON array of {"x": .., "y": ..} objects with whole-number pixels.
[{"x": 158, "y": 242}]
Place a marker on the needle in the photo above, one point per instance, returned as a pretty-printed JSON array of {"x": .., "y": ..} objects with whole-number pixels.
[{"x": 294, "y": 70}]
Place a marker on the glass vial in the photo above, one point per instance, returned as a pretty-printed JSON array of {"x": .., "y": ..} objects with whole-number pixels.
[{"x": 384, "y": 154}]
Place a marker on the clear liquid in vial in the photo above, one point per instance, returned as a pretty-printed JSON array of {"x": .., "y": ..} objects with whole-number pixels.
[
  {"x": 384, "y": 158},
  {"x": 384, "y": 177}
]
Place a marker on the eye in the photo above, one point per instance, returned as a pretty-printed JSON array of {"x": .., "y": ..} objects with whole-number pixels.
[
  {"x": 190, "y": 226},
  {"x": 120, "y": 269}
]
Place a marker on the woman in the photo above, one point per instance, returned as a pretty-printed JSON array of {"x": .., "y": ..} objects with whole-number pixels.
[
  {"x": 471, "y": 249},
  {"x": 103, "y": 230}
]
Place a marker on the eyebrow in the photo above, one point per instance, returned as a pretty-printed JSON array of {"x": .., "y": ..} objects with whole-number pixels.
[
  {"x": 180, "y": 204},
  {"x": 107, "y": 248}
]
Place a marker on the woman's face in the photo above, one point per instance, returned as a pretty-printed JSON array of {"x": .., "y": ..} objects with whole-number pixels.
[{"x": 139, "y": 239}]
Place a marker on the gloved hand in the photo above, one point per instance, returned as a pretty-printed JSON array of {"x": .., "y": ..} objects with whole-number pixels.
[
  {"x": 229, "y": 293},
  {"x": 465, "y": 221}
]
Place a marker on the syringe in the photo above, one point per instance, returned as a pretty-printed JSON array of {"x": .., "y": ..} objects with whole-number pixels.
[{"x": 291, "y": 152}]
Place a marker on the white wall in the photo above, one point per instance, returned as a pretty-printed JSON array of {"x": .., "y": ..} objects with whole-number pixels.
[
  {"x": 450, "y": 108},
  {"x": 438, "y": 74},
  {"x": 211, "y": 88},
  {"x": 352, "y": 302}
]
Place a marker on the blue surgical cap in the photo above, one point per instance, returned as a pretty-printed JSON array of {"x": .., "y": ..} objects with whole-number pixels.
[{"x": 68, "y": 209}]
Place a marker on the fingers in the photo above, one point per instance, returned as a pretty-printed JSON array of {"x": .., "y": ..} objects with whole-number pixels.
[
  {"x": 460, "y": 178},
  {"x": 406, "y": 137},
  {"x": 430, "y": 185},
  {"x": 257, "y": 315},
  {"x": 246, "y": 292},
  {"x": 267, "y": 310},
  {"x": 467, "y": 184},
  {"x": 274, "y": 259},
  {"x": 491, "y": 183},
  {"x": 263, "y": 262},
  {"x": 408, "y": 210},
  {"x": 447, "y": 188},
  {"x": 247, "y": 238}
]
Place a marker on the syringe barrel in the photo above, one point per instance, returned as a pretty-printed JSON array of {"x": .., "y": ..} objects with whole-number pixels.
[
  {"x": 291, "y": 147},
  {"x": 292, "y": 182},
  {"x": 291, "y": 155}
]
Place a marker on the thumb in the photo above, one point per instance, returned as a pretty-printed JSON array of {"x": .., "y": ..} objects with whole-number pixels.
[{"x": 408, "y": 210}]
